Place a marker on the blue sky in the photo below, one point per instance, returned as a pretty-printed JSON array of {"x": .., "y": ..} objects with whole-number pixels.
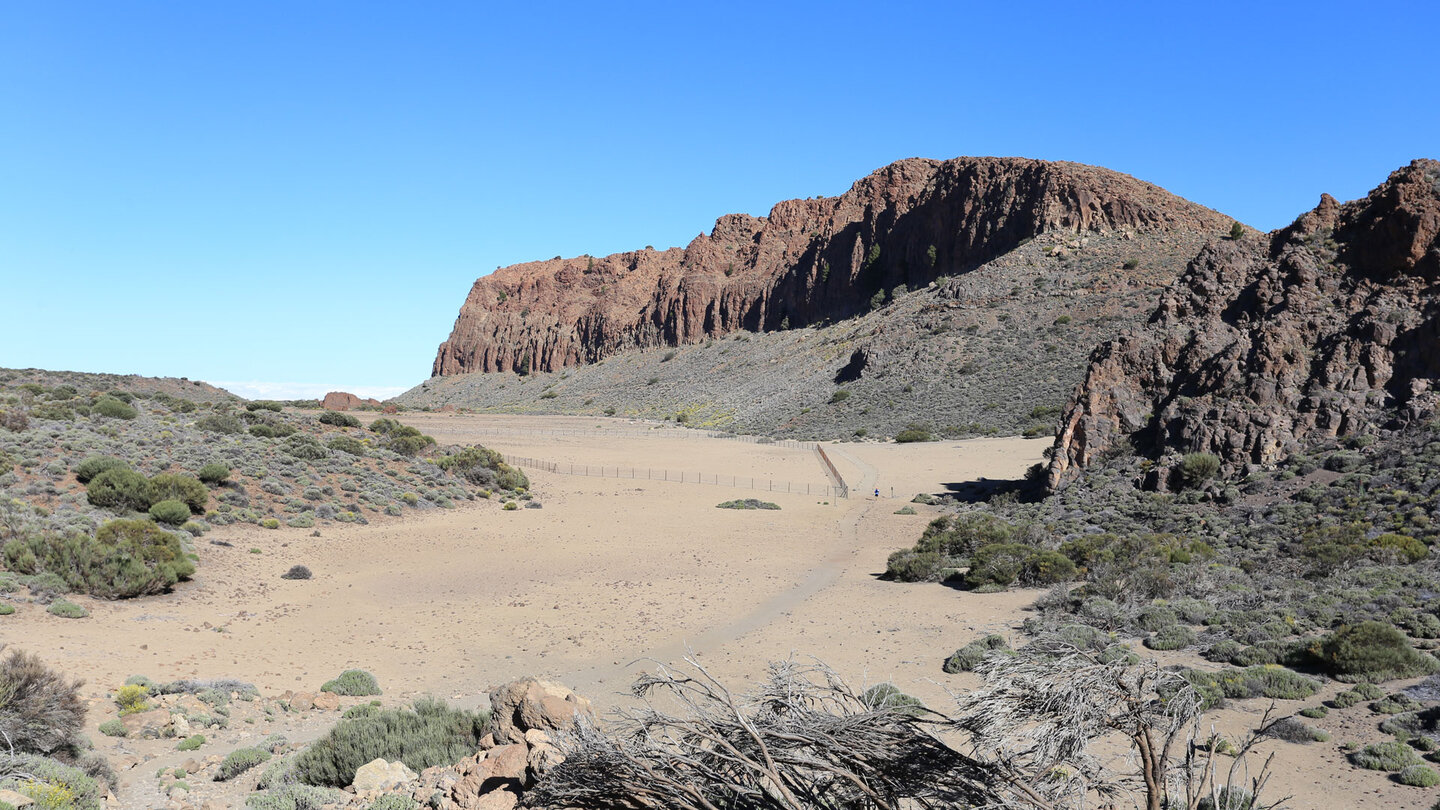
[{"x": 300, "y": 194}]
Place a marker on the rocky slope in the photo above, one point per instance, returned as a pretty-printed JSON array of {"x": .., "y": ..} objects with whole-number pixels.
[
  {"x": 997, "y": 349},
  {"x": 1325, "y": 329},
  {"x": 809, "y": 262}
]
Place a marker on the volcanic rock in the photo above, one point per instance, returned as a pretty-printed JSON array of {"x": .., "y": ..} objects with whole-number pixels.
[
  {"x": 808, "y": 262},
  {"x": 1324, "y": 329},
  {"x": 344, "y": 401}
]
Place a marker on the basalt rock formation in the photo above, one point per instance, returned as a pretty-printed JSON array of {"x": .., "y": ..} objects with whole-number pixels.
[
  {"x": 1328, "y": 328},
  {"x": 808, "y": 262},
  {"x": 344, "y": 401}
]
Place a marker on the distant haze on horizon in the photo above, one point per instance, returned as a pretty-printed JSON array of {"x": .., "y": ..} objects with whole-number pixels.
[{"x": 273, "y": 194}]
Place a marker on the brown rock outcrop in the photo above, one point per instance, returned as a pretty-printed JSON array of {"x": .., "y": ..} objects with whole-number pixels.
[
  {"x": 807, "y": 262},
  {"x": 1327, "y": 328},
  {"x": 345, "y": 401}
]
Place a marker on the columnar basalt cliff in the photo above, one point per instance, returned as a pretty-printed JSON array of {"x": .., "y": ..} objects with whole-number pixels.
[
  {"x": 1328, "y": 328},
  {"x": 809, "y": 261}
]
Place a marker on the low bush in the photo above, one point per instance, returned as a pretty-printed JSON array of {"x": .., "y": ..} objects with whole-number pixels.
[
  {"x": 909, "y": 565},
  {"x": 1372, "y": 651},
  {"x": 1292, "y": 729},
  {"x": 41, "y": 712},
  {"x": 1198, "y": 468},
  {"x": 394, "y": 801},
  {"x": 997, "y": 564},
  {"x": 406, "y": 440},
  {"x": 219, "y": 423},
  {"x": 191, "y": 743},
  {"x": 747, "y": 503},
  {"x": 121, "y": 488},
  {"x": 239, "y": 761},
  {"x": 131, "y": 698},
  {"x": 429, "y": 734},
  {"x": 51, "y": 783},
  {"x": 125, "y": 558},
  {"x": 483, "y": 467},
  {"x": 113, "y": 408},
  {"x": 966, "y": 658},
  {"x": 1418, "y": 776},
  {"x": 339, "y": 419},
  {"x": 171, "y": 513},
  {"x": 272, "y": 430},
  {"x": 1174, "y": 637},
  {"x": 66, "y": 609},
  {"x": 86, "y": 470},
  {"x": 183, "y": 488},
  {"x": 888, "y": 696},
  {"x": 296, "y": 797},
  {"x": 353, "y": 683},
  {"x": 914, "y": 433},
  {"x": 1391, "y": 755},
  {"x": 347, "y": 444},
  {"x": 214, "y": 473},
  {"x": 297, "y": 572},
  {"x": 114, "y": 727}
]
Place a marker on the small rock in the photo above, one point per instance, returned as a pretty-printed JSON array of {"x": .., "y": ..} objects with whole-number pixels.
[{"x": 378, "y": 774}]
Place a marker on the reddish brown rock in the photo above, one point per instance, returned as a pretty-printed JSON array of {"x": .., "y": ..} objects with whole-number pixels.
[
  {"x": 343, "y": 401},
  {"x": 1326, "y": 328},
  {"x": 531, "y": 704},
  {"x": 809, "y": 261}
]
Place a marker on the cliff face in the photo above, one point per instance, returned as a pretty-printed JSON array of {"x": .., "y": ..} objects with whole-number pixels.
[
  {"x": 809, "y": 261},
  {"x": 1329, "y": 327}
]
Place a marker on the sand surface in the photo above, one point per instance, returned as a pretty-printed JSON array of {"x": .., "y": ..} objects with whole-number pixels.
[{"x": 611, "y": 575}]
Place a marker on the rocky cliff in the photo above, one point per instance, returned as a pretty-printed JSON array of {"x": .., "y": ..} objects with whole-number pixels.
[
  {"x": 1326, "y": 328},
  {"x": 808, "y": 262}
]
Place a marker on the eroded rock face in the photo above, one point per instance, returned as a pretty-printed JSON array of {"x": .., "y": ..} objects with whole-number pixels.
[
  {"x": 808, "y": 261},
  {"x": 1326, "y": 328},
  {"x": 344, "y": 401}
]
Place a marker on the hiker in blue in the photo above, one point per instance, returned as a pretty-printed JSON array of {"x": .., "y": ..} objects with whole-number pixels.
[{"x": 877, "y": 494}]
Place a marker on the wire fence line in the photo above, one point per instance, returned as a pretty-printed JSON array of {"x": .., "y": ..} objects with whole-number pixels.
[
  {"x": 678, "y": 476},
  {"x": 831, "y": 472},
  {"x": 640, "y": 434}
]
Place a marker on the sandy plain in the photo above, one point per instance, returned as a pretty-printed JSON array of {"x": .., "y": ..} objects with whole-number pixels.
[{"x": 610, "y": 577}]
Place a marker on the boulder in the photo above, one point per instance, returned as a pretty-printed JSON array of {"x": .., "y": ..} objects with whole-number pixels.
[
  {"x": 149, "y": 724},
  {"x": 529, "y": 703},
  {"x": 345, "y": 401},
  {"x": 378, "y": 774},
  {"x": 16, "y": 799},
  {"x": 327, "y": 702}
]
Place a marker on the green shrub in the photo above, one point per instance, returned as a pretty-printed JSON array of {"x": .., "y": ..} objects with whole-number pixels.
[
  {"x": 347, "y": 444},
  {"x": 1391, "y": 755},
  {"x": 214, "y": 473},
  {"x": 183, "y": 488},
  {"x": 747, "y": 503},
  {"x": 171, "y": 513},
  {"x": 339, "y": 419},
  {"x": 267, "y": 523},
  {"x": 483, "y": 467},
  {"x": 1047, "y": 568},
  {"x": 353, "y": 683},
  {"x": 219, "y": 423},
  {"x": 405, "y": 440},
  {"x": 1229, "y": 798},
  {"x": 263, "y": 405},
  {"x": 889, "y": 696},
  {"x": 1418, "y": 776},
  {"x": 909, "y": 565},
  {"x": 997, "y": 564},
  {"x": 113, "y": 408},
  {"x": 1372, "y": 651},
  {"x": 1174, "y": 637},
  {"x": 125, "y": 558},
  {"x": 1156, "y": 617},
  {"x": 1197, "y": 468},
  {"x": 1237, "y": 231},
  {"x": 54, "y": 785},
  {"x": 191, "y": 743},
  {"x": 839, "y": 396},
  {"x": 966, "y": 658},
  {"x": 296, "y": 797},
  {"x": 429, "y": 734},
  {"x": 66, "y": 610},
  {"x": 6, "y": 609},
  {"x": 239, "y": 761},
  {"x": 121, "y": 488},
  {"x": 86, "y": 470},
  {"x": 306, "y": 447},
  {"x": 914, "y": 433},
  {"x": 272, "y": 430},
  {"x": 114, "y": 727}
]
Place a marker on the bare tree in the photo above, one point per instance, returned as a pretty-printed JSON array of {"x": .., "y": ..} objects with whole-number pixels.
[{"x": 1044, "y": 710}]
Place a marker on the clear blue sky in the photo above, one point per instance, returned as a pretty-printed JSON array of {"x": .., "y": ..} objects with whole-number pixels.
[{"x": 301, "y": 193}]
